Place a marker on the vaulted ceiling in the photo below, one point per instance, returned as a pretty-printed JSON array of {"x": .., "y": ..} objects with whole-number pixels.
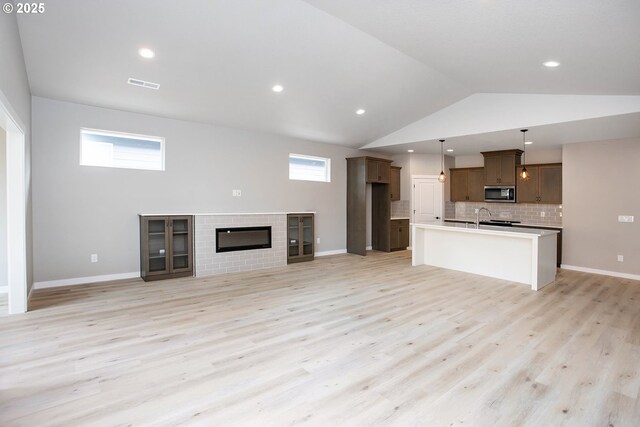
[{"x": 422, "y": 69}]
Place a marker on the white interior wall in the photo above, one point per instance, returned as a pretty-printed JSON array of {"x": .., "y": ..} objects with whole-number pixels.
[{"x": 3, "y": 211}]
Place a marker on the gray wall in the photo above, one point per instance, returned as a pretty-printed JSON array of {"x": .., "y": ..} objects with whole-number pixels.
[
  {"x": 14, "y": 84},
  {"x": 3, "y": 208},
  {"x": 600, "y": 181},
  {"x": 80, "y": 210}
]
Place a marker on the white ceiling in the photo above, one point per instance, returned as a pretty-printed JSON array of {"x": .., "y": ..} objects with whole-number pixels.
[{"x": 402, "y": 61}]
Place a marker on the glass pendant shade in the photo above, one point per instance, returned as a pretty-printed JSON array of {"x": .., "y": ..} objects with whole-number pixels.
[
  {"x": 442, "y": 177},
  {"x": 524, "y": 173}
]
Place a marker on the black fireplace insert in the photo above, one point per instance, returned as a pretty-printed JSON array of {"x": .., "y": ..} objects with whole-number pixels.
[{"x": 242, "y": 238}]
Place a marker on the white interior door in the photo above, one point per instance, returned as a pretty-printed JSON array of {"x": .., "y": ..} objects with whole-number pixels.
[{"x": 426, "y": 199}]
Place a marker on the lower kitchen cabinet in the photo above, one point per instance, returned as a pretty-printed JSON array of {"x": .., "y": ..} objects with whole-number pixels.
[
  {"x": 399, "y": 234},
  {"x": 166, "y": 247},
  {"x": 300, "y": 236}
]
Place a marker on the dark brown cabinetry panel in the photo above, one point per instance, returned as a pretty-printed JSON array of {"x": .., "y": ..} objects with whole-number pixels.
[
  {"x": 399, "y": 234},
  {"x": 500, "y": 167},
  {"x": 300, "y": 238},
  {"x": 544, "y": 184},
  {"x": 378, "y": 170},
  {"x": 166, "y": 247},
  {"x": 394, "y": 183},
  {"x": 476, "y": 185},
  {"x": 467, "y": 184}
]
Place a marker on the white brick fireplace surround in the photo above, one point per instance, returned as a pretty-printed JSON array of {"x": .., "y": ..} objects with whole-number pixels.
[{"x": 208, "y": 262}]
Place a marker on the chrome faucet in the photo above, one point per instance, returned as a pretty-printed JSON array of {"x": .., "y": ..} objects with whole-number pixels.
[{"x": 478, "y": 215}]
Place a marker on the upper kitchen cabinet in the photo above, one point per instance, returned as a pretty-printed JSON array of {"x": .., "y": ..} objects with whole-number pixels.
[
  {"x": 544, "y": 184},
  {"x": 394, "y": 183},
  {"x": 500, "y": 167},
  {"x": 378, "y": 170},
  {"x": 467, "y": 184}
]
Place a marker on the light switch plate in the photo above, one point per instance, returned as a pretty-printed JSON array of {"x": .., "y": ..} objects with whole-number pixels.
[{"x": 625, "y": 218}]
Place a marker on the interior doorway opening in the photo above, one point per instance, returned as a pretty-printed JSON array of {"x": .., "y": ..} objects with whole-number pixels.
[{"x": 13, "y": 212}]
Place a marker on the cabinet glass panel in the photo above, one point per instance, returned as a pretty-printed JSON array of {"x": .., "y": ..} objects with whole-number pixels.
[
  {"x": 180, "y": 261},
  {"x": 292, "y": 236},
  {"x": 157, "y": 240},
  {"x": 307, "y": 235},
  {"x": 180, "y": 226},
  {"x": 157, "y": 264}
]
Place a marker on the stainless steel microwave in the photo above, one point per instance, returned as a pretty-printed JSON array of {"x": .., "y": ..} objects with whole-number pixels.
[{"x": 500, "y": 193}]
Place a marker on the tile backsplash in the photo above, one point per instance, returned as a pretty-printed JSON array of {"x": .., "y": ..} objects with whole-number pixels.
[
  {"x": 401, "y": 209},
  {"x": 531, "y": 213}
]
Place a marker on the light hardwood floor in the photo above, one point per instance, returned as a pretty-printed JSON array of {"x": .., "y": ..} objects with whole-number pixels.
[{"x": 342, "y": 340}]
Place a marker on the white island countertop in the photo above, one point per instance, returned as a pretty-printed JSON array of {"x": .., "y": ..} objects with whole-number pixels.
[
  {"x": 524, "y": 255},
  {"x": 487, "y": 229}
]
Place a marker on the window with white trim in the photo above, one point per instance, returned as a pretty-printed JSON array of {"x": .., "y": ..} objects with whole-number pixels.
[
  {"x": 309, "y": 168},
  {"x": 121, "y": 150}
]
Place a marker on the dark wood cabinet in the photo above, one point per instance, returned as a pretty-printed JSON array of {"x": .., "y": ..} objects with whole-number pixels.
[
  {"x": 360, "y": 172},
  {"x": 544, "y": 184},
  {"x": 166, "y": 247},
  {"x": 394, "y": 183},
  {"x": 378, "y": 170},
  {"x": 399, "y": 238},
  {"x": 467, "y": 184},
  {"x": 300, "y": 237},
  {"x": 500, "y": 167}
]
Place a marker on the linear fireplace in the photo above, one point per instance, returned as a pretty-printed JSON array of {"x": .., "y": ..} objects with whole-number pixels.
[{"x": 242, "y": 238}]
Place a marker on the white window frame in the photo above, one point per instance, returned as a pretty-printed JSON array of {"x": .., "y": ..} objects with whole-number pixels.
[
  {"x": 126, "y": 135},
  {"x": 326, "y": 160}
]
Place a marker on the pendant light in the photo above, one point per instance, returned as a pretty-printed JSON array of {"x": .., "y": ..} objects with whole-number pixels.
[
  {"x": 442, "y": 177},
  {"x": 524, "y": 173}
]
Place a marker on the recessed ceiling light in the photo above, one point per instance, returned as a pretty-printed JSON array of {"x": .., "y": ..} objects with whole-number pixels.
[
  {"x": 551, "y": 64},
  {"x": 360, "y": 111},
  {"x": 450, "y": 150},
  {"x": 145, "y": 52},
  {"x": 528, "y": 142},
  {"x": 277, "y": 88},
  {"x": 410, "y": 151}
]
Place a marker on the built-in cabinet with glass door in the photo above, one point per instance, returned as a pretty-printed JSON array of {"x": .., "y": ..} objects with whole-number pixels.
[
  {"x": 166, "y": 247},
  {"x": 299, "y": 237}
]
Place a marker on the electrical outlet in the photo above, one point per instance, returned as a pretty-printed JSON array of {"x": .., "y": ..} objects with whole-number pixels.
[
  {"x": 94, "y": 257},
  {"x": 476, "y": 210},
  {"x": 625, "y": 218},
  {"x": 236, "y": 193},
  {"x": 620, "y": 258},
  {"x": 318, "y": 240},
  {"x": 543, "y": 214}
]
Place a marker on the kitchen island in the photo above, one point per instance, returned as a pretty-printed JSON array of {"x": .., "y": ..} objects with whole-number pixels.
[{"x": 521, "y": 255}]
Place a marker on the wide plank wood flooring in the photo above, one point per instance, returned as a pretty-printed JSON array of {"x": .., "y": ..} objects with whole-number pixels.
[{"x": 340, "y": 341}]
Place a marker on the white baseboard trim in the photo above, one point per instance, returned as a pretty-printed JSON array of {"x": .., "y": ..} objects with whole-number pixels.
[
  {"x": 334, "y": 252},
  {"x": 4, "y": 289},
  {"x": 369, "y": 248},
  {"x": 85, "y": 280},
  {"x": 604, "y": 272}
]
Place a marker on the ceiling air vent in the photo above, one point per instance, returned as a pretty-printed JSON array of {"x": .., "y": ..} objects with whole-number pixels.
[{"x": 142, "y": 83}]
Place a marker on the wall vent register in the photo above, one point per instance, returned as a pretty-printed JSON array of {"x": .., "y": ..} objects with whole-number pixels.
[{"x": 242, "y": 238}]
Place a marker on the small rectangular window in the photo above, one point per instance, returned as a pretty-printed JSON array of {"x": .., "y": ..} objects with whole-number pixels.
[
  {"x": 121, "y": 150},
  {"x": 309, "y": 168}
]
